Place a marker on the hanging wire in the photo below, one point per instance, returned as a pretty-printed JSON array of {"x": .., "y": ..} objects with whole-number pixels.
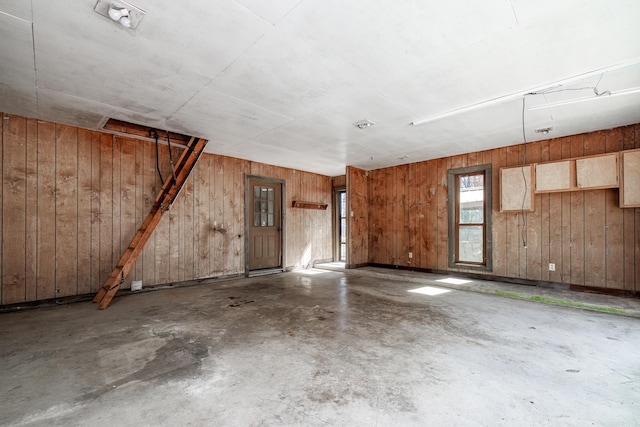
[
  {"x": 173, "y": 169},
  {"x": 524, "y": 196},
  {"x": 156, "y": 136}
]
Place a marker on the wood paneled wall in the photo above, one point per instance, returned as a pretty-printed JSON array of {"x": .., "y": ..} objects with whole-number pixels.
[
  {"x": 71, "y": 200},
  {"x": 590, "y": 239},
  {"x": 358, "y": 223}
]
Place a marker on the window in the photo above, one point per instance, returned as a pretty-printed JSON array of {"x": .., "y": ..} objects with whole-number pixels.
[{"x": 470, "y": 217}]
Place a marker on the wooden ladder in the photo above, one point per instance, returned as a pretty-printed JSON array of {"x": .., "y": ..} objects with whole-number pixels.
[{"x": 165, "y": 199}]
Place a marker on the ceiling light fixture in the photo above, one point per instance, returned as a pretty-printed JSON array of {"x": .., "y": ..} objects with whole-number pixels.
[
  {"x": 121, "y": 12},
  {"x": 120, "y": 15},
  {"x": 517, "y": 95},
  {"x": 363, "y": 124},
  {"x": 602, "y": 95},
  {"x": 544, "y": 131}
]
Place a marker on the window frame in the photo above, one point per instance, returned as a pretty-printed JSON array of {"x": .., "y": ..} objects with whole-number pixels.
[{"x": 453, "y": 206}]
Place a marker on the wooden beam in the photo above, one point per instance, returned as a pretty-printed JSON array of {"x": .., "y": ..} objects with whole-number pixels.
[
  {"x": 165, "y": 199},
  {"x": 132, "y": 129}
]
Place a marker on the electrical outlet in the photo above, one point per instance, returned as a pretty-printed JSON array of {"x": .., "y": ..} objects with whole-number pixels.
[
  {"x": 410, "y": 255},
  {"x": 552, "y": 267}
]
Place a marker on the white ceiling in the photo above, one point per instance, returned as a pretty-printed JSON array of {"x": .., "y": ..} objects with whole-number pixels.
[{"x": 282, "y": 82}]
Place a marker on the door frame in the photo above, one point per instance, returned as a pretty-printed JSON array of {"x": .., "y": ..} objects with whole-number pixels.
[
  {"x": 247, "y": 215},
  {"x": 336, "y": 222}
]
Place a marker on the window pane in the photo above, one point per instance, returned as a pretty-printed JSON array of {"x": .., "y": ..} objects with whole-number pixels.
[
  {"x": 270, "y": 194},
  {"x": 471, "y": 199},
  {"x": 270, "y": 220},
  {"x": 470, "y": 244}
]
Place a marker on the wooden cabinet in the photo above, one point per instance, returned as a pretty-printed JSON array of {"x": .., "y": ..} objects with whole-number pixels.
[
  {"x": 516, "y": 191},
  {"x": 584, "y": 173},
  {"x": 555, "y": 176},
  {"x": 597, "y": 172},
  {"x": 630, "y": 182}
]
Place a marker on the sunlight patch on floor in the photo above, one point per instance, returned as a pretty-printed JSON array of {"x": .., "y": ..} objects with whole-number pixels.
[
  {"x": 453, "y": 281},
  {"x": 429, "y": 290}
]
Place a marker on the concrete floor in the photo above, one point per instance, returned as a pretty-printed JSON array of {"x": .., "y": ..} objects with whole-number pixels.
[{"x": 318, "y": 348}]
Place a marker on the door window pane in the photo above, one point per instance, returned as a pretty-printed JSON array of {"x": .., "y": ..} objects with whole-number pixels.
[{"x": 263, "y": 206}]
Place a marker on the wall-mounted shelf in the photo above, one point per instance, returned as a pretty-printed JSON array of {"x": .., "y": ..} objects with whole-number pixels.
[{"x": 309, "y": 205}]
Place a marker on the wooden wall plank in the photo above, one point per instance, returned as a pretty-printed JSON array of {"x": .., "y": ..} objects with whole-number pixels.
[
  {"x": 442, "y": 213},
  {"x": 402, "y": 217},
  {"x": 150, "y": 189},
  {"x": 431, "y": 212},
  {"x": 14, "y": 159},
  {"x": 499, "y": 219},
  {"x": 188, "y": 237},
  {"x": 96, "y": 141},
  {"x": 227, "y": 221},
  {"x": 202, "y": 209},
  {"x": 106, "y": 208},
  {"x": 595, "y": 208},
  {"x": 413, "y": 200},
  {"x": 554, "y": 217},
  {"x": 162, "y": 240},
  {"x": 46, "y": 274},
  {"x": 66, "y": 211},
  {"x": 116, "y": 164},
  {"x": 31, "y": 211},
  {"x": 241, "y": 167},
  {"x": 136, "y": 272},
  {"x": 376, "y": 212},
  {"x": 577, "y": 242},
  {"x": 545, "y": 225},
  {"x": 84, "y": 211},
  {"x": 128, "y": 225},
  {"x": 390, "y": 221},
  {"x": 567, "y": 210},
  {"x": 218, "y": 213},
  {"x": 614, "y": 222},
  {"x": 422, "y": 227},
  {"x": 514, "y": 223},
  {"x": 357, "y": 239},
  {"x": 531, "y": 261},
  {"x": 630, "y": 258}
]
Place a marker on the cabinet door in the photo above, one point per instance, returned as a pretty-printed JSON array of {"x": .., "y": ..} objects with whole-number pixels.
[
  {"x": 630, "y": 183},
  {"x": 597, "y": 172},
  {"x": 556, "y": 176},
  {"x": 516, "y": 192}
]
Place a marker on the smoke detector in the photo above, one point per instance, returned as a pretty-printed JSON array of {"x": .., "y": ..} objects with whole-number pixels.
[
  {"x": 363, "y": 124},
  {"x": 120, "y": 12}
]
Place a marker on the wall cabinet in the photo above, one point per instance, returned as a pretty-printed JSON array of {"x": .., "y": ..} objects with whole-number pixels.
[
  {"x": 516, "y": 189},
  {"x": 630, "y": 182},
  {"x": 597, "y": 172},
  {"x": 555, "y": 176}
]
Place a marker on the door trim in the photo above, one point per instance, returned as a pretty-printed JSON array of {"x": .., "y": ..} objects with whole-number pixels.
[
  {"x": 247, "y": 216},
  {"x": 335, "y": 217}
]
